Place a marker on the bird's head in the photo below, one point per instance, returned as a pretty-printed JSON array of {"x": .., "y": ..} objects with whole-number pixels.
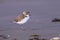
[{"x": 26, "y": 13}]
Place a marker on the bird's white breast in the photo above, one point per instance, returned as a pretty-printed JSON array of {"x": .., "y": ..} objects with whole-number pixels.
[{"x": 23, "y": 20}]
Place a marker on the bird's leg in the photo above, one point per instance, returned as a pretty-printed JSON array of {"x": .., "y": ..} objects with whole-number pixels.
[{"x": 22, "y": 27}]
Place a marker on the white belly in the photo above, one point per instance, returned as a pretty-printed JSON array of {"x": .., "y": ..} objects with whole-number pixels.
[{"x": 23, "y": 20}]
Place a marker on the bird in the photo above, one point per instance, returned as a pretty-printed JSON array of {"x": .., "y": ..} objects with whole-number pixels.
[{"x": 22, "y": 18}]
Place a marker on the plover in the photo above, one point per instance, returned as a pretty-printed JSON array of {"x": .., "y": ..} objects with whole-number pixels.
[{"x": 23, "y": 18}]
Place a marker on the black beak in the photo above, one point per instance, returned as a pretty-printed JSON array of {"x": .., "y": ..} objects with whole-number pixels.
[{"x": 28, "y": 12}]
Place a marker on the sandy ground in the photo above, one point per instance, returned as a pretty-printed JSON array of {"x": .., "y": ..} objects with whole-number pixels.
[{"x": 42, "y": 12}]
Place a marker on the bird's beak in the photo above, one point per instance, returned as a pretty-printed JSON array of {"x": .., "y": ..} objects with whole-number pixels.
[{"x": 28, "y": 12}]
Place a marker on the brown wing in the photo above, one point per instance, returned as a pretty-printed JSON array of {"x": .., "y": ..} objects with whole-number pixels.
[{"x": 19, "y": 18}]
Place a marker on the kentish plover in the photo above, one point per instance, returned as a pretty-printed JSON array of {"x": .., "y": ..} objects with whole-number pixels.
[{"x": 23, "y": 18}]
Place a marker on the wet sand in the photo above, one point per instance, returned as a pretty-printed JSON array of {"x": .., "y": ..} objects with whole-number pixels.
[{"x": 42, "y": 12}]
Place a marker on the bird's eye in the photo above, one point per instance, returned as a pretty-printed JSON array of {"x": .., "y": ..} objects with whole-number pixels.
[
  {"x": 16, "y": 20},
  {"x": 28, "y": 12},
  {"x": 25, "y": 16}
]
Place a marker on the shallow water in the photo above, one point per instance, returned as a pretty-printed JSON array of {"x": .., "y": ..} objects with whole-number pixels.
[{"x": 42, "y": 12}]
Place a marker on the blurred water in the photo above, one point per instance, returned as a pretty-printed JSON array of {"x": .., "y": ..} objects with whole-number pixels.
[{"x": 42, "y": 12}]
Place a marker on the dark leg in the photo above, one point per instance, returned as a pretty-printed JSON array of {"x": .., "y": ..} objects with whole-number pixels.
[{"x": 22, "y": 27}]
